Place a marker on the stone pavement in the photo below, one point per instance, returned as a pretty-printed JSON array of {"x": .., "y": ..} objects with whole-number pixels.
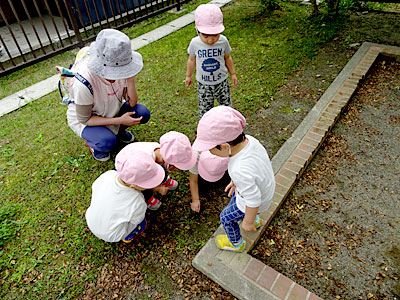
[
  {"x": 239, "y": 273},
  {"x": 40, "y": 89}
]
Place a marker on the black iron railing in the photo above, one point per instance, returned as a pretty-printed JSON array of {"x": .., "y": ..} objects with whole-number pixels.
[{"x": 34, "y": 30}]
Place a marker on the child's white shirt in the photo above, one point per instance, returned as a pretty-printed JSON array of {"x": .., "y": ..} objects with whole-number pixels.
[
  {"x": 251, "y": 172},
  {"x": 115, "y": 209}
]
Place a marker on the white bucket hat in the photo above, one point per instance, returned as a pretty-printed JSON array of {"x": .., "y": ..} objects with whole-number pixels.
[{"x": 111, "y": 56}]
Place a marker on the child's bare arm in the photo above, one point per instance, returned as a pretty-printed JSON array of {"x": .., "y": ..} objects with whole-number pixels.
[
  {"x": 231, "y": 68},
  {"x": 191, "y": 64},
  {"x": 249, "y": 217},
  {"x": 194, "y": 190}
]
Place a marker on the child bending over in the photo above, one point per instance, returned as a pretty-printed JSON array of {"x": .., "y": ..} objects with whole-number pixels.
[
  {"x": 173, "y": 152},
  {"x": 253, "y": 183},
  {"x": 117, "y": 210},
  {"x": 211, "y": 168}
]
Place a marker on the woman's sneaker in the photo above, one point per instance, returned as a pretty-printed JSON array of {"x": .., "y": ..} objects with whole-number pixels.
[
  {"x": 126, "y": 137},
  {"x": 138, "y": 231},
  {"x": 171, "y": 184},
  {"x": 153, "y": 203},
  {"x": 223, "y": 243},
  {"x": 100, "y": 156}
]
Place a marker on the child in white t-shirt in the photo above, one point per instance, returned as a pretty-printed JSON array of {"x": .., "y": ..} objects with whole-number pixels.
[
  {"x": 117, "y": 210},
  {"x": 253, "y": 182},
  {"x": 209, "y": 53}
]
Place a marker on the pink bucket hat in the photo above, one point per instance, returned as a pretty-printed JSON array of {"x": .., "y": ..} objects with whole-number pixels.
[
  {"x": 209, "y": 19},
  {"x": 212, "y": 167},
  {"x": 139, "y": 168},
  {"x": 219, "y": 125},
  {"x": 175, "y": 149}
]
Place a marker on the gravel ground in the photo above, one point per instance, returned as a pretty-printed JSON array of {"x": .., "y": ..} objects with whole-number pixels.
[{"x": 338, "y": 232}]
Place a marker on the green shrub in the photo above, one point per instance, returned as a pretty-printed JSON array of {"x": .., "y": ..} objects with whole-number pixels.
[{"x": 269, "y": 5}]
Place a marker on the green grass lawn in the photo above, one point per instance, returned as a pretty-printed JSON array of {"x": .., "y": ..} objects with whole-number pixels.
[{"x": 46, "y": 172}]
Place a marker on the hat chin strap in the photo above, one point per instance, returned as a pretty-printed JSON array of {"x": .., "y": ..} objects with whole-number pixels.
[{"x": 230, "y": 149}]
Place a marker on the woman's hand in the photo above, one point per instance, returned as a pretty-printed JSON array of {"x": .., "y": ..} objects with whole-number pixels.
[{"x": 127, "y": 119}]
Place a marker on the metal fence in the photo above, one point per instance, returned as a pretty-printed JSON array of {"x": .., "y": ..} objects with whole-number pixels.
[{"x": 34, "y": 30}]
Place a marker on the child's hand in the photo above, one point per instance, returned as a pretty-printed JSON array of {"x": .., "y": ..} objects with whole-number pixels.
[
  {"x": 231, "y": 188},
  {"x": 248, "y": 226},
  {"x": 161, "y": 189},
  {"x": 188, "y": 80},
  {"x": 234, "y": 79},
  {"x": 195, "y": 206}
]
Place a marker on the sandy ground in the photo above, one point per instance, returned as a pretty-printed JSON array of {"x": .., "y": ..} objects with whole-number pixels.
[{"x": 338, "y": 233}]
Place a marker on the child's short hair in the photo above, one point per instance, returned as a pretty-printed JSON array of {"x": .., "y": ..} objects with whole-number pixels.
[
  {"x": 138, "y": 168},
  {"x": 219, "y": 125},
  {"x": 238, "y": 140},
  {"x": 208, "y": 19}
]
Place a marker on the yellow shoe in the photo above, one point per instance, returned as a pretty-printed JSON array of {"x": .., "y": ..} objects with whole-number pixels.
[{"x": 223, "y": 243}]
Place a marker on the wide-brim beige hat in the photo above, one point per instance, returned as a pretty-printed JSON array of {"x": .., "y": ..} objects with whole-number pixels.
[{"x": 111, "y": 56}]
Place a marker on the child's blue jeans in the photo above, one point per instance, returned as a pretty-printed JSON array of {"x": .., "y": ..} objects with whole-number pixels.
[
  {"x": 102, "y": 139},
  {"x": 230, "y": 216}
]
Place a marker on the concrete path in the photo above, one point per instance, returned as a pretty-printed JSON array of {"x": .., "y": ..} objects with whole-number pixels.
[
  {"x": 30, "y": 30},
  {"x": 239, "y": 273},
  {"x": 36, "y": 91}
]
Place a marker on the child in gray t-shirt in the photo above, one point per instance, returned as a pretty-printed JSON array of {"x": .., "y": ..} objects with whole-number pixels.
[{"x": 210, "y": 52}]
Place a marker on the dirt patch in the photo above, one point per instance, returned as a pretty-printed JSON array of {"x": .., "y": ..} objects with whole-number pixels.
[
  {"x": 275, "y": 124},
  {"x": 337, "y": 234}
]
